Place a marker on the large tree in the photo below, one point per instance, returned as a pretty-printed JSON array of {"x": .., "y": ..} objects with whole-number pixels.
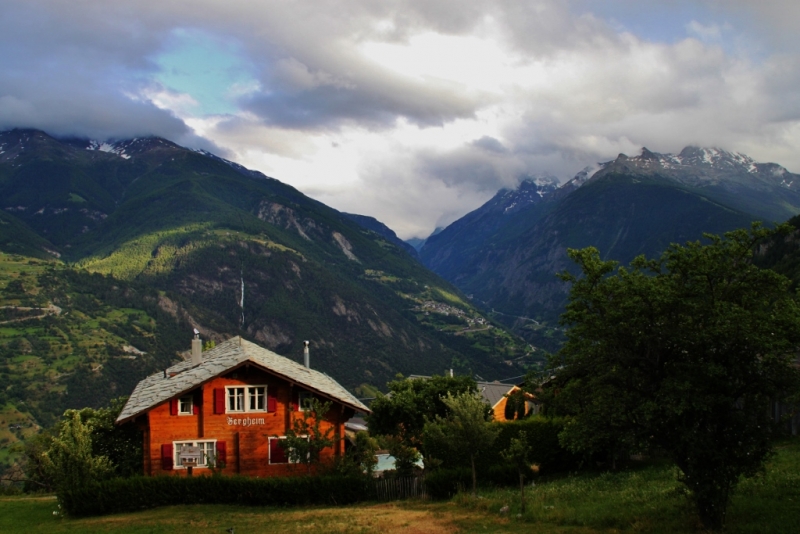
[{"x": 685, "y": 354}]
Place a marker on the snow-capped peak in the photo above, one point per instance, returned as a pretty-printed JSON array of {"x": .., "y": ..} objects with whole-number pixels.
[
  {"x": 111, "y": 148},
  {"x": 716, "y": 157}
]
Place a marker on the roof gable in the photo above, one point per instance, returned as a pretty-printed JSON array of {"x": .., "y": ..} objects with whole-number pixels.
[
  {"x": 185, "y": 376},
  {"x": 494, "y": 392}
]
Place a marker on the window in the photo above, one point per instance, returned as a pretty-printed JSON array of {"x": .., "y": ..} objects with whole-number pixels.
[
  {"x": 185, "y": 406},
  {"x": 246, "y": 399},
  {"x": 208, "y": 452},
  {"x": 303, "y": 400},
  {"x": 277, "y": 454},
  {"x": 255, "y": 396}
]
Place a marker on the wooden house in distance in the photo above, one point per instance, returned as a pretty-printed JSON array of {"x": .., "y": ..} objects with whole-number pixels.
[
  {"x": 229, "y": 406},
  {"x": 498, "y": 395}
]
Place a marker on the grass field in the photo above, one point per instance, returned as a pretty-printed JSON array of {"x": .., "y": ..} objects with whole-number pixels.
[{"x": 641, "y": 500}]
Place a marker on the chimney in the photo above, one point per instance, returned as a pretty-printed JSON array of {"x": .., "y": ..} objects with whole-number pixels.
[
  {"x": 306, "y": 357},
  {"x": 197, "y": 348}
]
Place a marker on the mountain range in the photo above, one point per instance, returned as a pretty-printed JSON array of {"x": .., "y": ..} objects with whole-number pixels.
[
  {"x": 113, "y": 251},
  {"x": 506, "y": 254}
]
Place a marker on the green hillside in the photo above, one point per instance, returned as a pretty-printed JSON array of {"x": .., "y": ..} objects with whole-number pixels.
[{"x": 70, "y": 339}]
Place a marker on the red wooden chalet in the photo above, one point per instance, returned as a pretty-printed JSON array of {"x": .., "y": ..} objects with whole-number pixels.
[{"x": 229, "y": 407}]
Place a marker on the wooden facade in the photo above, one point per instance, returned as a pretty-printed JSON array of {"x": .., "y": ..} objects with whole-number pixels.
[{"x": 503, "y": 411}]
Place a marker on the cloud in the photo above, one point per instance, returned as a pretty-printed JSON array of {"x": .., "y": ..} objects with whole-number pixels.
[{"x": 412, "y": 111}]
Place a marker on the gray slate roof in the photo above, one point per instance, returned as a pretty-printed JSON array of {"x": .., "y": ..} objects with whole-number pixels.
[
  {"x": 493, "y": 392},
  {"x": 156, "y": 389}
]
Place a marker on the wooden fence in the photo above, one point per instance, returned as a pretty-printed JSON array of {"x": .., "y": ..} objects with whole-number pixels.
[{"x": 393, "y": 489}]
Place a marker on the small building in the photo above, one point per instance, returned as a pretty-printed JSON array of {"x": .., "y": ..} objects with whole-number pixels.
[
  {"x": 228, "y": 408},
  {"x": 498, "y": 395}
]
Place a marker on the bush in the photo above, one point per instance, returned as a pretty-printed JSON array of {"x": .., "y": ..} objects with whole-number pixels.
[
  {"x": 138, "y": 493},
  {"x": 444, "y": 483},
  {"x": 542, "y": 436}
]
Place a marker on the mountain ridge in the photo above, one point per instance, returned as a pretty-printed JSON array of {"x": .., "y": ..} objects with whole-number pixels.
[{"x": 624, "y": 207}]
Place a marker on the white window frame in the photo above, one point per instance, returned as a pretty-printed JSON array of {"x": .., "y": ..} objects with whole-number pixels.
[
  {"x": 203, "y": 463},
  {"x": 303, "y": 396},
  {"x": 249, "y": 393},
  {"x": 181, "y": 411},
  {"x": 269, "y": 451}
]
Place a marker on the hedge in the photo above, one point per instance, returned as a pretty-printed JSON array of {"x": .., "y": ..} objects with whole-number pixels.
[
  {"x": 542, "y": 436},
  {"x": 138, "y": 493}
]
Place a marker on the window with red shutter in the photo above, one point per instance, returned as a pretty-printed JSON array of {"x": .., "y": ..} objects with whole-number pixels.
[
  {"x": 272, "y": 402},
  {"x": 167, "y": 458},
  {"x": 277, "y": 455},
  {"x": 173, "y": 407}
]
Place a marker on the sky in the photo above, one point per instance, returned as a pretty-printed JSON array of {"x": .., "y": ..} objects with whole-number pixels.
[{"x": 411, "y": 111}]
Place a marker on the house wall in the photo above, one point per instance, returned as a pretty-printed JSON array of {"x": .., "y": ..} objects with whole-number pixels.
[
  {"x": 247, "y": 445},
  {"x": 499, "y": 409}
]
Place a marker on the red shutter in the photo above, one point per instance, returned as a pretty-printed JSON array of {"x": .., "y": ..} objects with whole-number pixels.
[
  {"x": 295, "y": 401},
  {"x": 276, "y": 453},
  {"x": 167, "y": 458},
  {"x": 222, "y": 454},
  {"x": 195, "y": 409},
  {"x": 173, "y": 407},
  {"x": 219, "y": 400},
  {"x": 272, "y": 402}
]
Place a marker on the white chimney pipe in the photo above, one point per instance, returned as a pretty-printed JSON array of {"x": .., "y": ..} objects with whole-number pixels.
[
  {"x": 197, "y": 349},
  {"x": 306, "y": 357}
]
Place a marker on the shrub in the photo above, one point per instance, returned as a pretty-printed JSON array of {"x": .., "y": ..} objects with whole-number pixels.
[
  {"x": 542, "y": 436},
  {"x": 444, "y": 483},
  {"x": 138, "y": 493}
]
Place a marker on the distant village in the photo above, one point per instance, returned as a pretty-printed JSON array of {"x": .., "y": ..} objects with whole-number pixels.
[{"x": 429, "y": 306}]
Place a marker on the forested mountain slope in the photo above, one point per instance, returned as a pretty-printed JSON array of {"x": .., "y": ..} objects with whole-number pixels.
[{"x": 506, "y": 257}]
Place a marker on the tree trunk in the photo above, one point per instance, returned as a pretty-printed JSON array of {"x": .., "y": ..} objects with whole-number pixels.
[{"x": 474, "y": 477}]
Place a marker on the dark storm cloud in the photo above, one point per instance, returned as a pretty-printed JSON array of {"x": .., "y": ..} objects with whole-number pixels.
[
  {"x": 75, "y": 79},
  {"x": 359, "y": 104}
]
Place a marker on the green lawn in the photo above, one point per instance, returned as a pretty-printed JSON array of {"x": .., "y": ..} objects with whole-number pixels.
[{"x": 639, "y": 500}]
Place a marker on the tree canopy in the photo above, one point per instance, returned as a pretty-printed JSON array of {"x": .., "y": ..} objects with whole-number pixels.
[
  {"x": 402, "y": 412},
  {"x": 684, "y": 354},
  {"x": 465, "y": 430},
  {"x": 306, "y": 439}
]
